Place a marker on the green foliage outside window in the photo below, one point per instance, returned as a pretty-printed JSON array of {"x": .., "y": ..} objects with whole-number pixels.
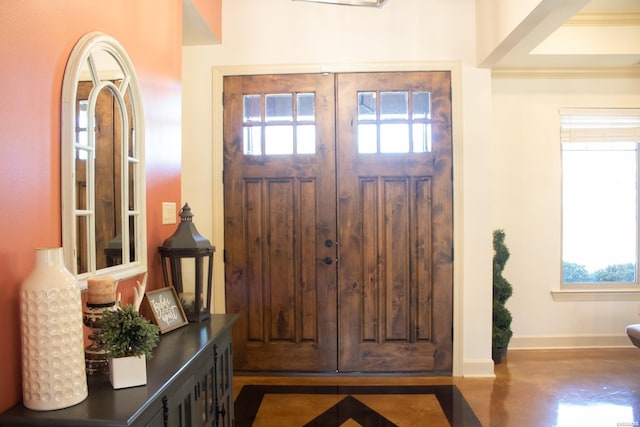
[{"x": 618, "y": 273}]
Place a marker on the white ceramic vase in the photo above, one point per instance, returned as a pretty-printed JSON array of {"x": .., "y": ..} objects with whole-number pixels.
[{"x": 53, "y": 365}]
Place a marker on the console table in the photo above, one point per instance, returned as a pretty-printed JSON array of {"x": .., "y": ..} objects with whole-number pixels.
[{"x": 189, "y": 383}]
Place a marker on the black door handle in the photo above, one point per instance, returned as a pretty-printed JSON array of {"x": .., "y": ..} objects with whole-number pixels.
[{"x": 328, "y": 260}]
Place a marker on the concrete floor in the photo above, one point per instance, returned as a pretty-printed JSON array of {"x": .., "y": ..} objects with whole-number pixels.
[{"x": 536, "y": 388}]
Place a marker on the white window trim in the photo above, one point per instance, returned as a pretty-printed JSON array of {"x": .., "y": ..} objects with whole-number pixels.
[
  {"x": 626, "y": 128},
  {"x": 598, "y": 294}
]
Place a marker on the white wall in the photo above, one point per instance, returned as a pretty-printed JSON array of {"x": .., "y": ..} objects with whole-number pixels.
[
  {"x": 526, "y": 185},
  {"x": 260, "y": 36}
]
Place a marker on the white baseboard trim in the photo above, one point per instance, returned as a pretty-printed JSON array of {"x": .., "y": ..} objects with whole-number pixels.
[
  {"x": 482, "y": 368},
  {"x": 545, "y": 342}
]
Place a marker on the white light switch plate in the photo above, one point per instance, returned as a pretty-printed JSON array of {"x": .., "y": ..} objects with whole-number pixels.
[{"x": 169, "y": 213}]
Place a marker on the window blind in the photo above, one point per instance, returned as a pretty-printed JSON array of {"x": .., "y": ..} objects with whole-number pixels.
[{"x": 600, "y": 125}]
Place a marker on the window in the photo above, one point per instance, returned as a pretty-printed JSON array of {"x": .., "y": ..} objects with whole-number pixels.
[
  {"x": 279, "y": 123},
  {"x": 600, "y": 196},
  {"x": 394, "y": 122}
]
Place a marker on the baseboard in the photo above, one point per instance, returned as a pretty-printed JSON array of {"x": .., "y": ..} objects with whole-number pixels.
[
  {"x": 544, "y": 342},
  {"x": 478, "y": 368}
]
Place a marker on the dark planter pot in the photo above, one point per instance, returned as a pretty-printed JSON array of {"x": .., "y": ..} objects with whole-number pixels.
[{"x": 497, "y": 354}]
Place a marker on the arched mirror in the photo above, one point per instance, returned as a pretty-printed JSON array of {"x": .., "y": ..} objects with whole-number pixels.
[{"x": 103, "y": 174}]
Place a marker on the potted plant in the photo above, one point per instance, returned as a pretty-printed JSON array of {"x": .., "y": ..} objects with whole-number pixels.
[
  {"x": 128, "y": 339},
  {"x": 502, "y": 291}
]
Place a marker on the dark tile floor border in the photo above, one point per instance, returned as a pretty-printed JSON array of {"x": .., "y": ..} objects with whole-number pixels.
[{"x": 453, "y": 404}]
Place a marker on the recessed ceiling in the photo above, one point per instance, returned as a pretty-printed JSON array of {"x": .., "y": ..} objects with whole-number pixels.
[{"x": 602, "y": 34}]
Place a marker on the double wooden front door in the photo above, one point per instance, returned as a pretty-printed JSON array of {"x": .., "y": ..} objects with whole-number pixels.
[{"x": 338, "y": 221}]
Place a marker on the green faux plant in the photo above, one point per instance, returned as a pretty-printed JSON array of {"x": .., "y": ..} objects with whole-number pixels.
[
  {"x": 125, "y": 332},
  {"x": 502, "y": 291}
]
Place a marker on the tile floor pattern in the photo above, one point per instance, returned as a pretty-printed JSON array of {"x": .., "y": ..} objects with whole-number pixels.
[
  {"x": 371, "y": 406},
  {"x": 532, "y": 388}
]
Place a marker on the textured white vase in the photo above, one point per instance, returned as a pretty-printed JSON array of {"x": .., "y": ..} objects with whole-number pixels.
[{"x": 53, "y": 366}]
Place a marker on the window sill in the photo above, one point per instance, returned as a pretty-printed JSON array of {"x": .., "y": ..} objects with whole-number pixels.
[{"x": 596, "y": 294}]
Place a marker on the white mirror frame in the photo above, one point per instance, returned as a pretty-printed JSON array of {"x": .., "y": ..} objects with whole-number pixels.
[{"x": 83, "y": 54}]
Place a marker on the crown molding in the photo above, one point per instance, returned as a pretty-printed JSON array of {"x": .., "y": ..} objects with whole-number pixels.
[
  {"x": 567, "y": 73},
  {"x": 606, "y": 18}
]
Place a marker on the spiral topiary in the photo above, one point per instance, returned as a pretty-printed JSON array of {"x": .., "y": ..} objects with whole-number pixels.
[{"x": 502, "y": 291}]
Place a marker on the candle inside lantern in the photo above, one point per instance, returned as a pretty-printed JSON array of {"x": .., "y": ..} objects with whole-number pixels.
[
  {"x": 101, "y": 290},
  {"x": 188, "y": 300}
]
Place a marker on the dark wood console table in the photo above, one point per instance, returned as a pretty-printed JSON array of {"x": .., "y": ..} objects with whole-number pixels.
[{"x": 189, "y": 383}]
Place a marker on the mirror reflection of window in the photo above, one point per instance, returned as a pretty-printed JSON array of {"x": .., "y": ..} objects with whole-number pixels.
[
  {"x": 82, "y": 137},
  {"x": 108, "y": 179}
]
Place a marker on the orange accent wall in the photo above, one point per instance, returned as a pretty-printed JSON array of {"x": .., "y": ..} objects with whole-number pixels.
[
  {"x": 36, "y": 37},
  {"x": 211, "y": 12}
]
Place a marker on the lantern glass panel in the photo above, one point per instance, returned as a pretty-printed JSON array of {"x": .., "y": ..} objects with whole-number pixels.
[
  {"x": 194, "y": 286},
  {"x": 188, "y": 294}
]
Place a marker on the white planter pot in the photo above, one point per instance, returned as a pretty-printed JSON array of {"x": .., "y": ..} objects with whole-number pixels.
[{"x": 128, "y": 371}]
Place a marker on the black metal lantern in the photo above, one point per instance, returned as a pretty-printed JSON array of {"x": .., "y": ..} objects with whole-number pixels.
[{"x": 183, "y": 254}]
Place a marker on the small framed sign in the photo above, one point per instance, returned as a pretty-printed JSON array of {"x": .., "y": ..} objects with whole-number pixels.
[{"x": 165, "y": 309}]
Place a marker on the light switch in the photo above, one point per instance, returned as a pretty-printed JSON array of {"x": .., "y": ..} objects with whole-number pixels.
[{"x": 169, "y": 213}]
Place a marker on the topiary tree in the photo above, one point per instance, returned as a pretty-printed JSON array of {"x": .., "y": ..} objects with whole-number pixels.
[
  {"x": 502, "y": 291},
  {"x": 125, "y": 332}
]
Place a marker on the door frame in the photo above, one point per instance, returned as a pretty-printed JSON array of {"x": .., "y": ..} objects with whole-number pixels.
[{"x": 455, "y": 68}]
